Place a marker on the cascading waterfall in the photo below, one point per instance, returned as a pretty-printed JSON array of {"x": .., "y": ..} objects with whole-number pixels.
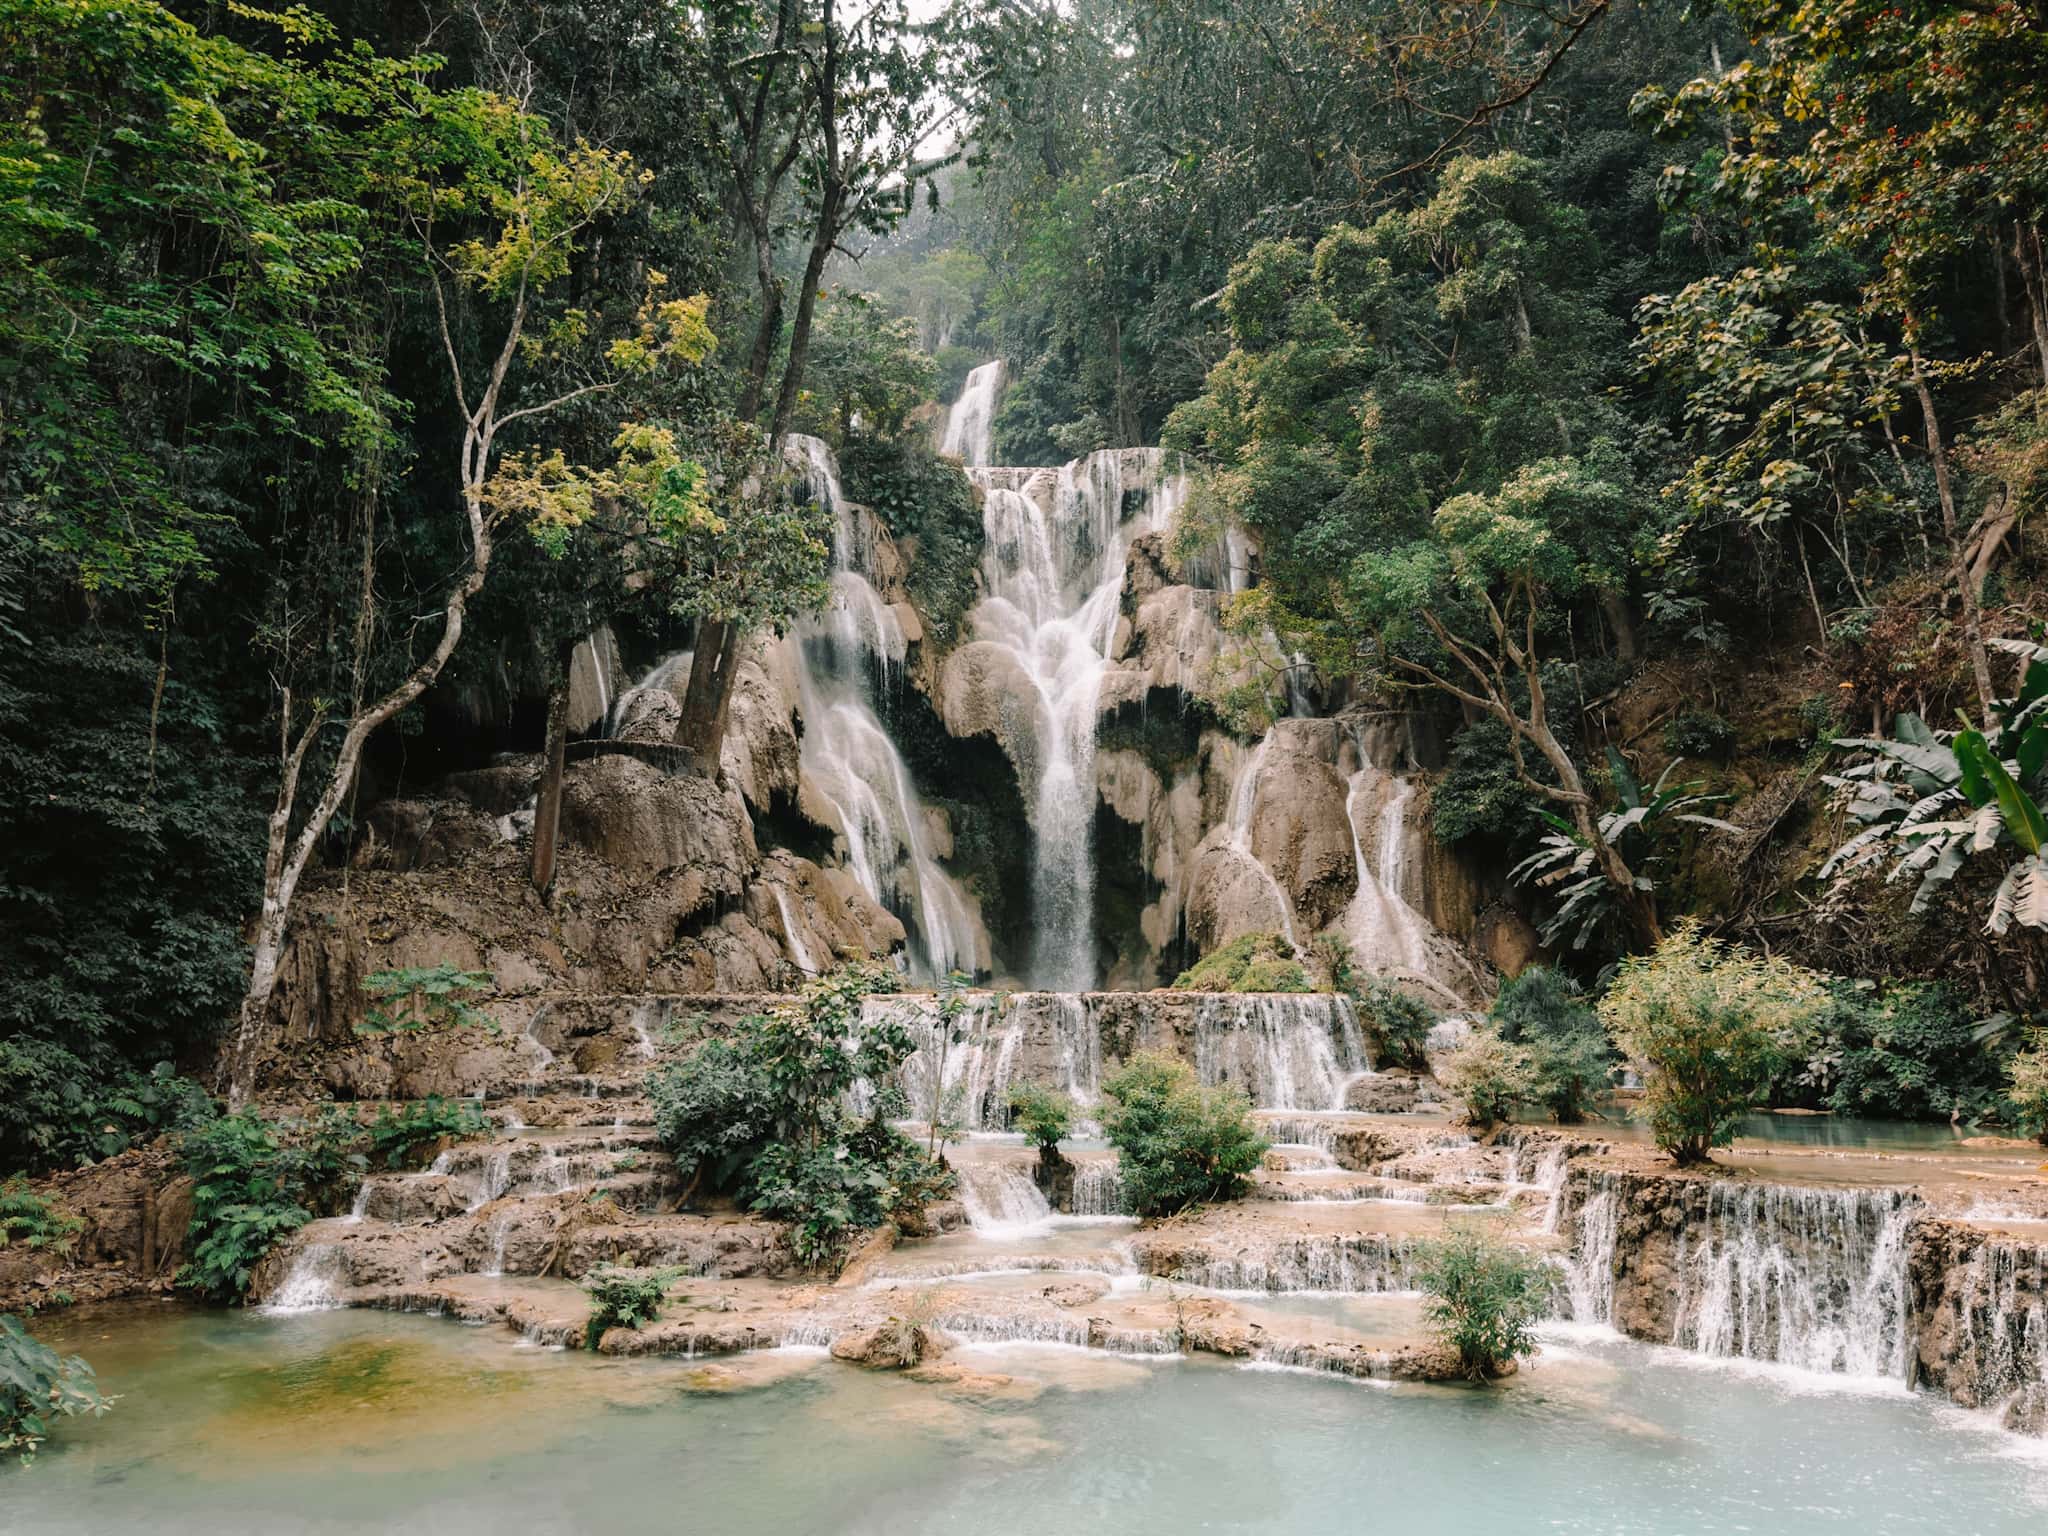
[
  {"x": 1371, "y": 1262},
  {"x": 1387, "y": 935},
  {"x": 311, "y": 1284},
  {"x": 1244, "y": 799},
  {"x": 1099, "y": 1188},
  {"x": 1001, "y": 1198},
  {"x": 849, "y": 757},
  {"x": 1288, "y": 1051},
  {"x": 971, "y": 422},
  {"x": 2007, "y": 1335},
  {"x": 1813, "y": 1278},
  {"x": 1052, "y": 568}
]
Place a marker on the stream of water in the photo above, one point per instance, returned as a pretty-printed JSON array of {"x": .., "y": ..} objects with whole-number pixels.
[{"x": 345, "y": 1421}]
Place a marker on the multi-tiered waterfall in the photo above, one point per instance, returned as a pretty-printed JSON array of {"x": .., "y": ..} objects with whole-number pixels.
[{"x": 1053, "y": 569}]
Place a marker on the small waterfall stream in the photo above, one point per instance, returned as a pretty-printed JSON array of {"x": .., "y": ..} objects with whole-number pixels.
[{"x": 971, "y": 423}]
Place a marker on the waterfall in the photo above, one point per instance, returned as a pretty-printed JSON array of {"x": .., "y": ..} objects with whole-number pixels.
[
  {"x": 1809, "y": 1277},
  {"x": 655, "y": 1010},
  {"x": 1367, "y": 1261},
  {"x": 799, "y": 953},
  {"x": 846, "y": 753},
  {"x": 1286, "y": 1050},
  {"x": 1388, "y": 936},
  {"x": 1813, "y": 1278},
  {"x": 313, "y": 1281},
  {"x": 1001, "y": 1198},
  {"x": 2002, "y": 1326},
  {"x": 972, "y": 420},
  {"x": 1244, "y": 799},
  {"x": 1099, "y": 1188},
  {"x": 1053, "y": 570}
]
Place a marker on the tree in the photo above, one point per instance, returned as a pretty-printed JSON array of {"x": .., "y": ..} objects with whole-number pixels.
[
  {"x": 1491, "y": 1075},
  {"x": 744, "y": 550},
  {"x": 1705, "y": 1023},
  {"x": 1543, "y": 1010},
  {"x": 478, "y": 158},
  {"x": 846, "y": 103}
]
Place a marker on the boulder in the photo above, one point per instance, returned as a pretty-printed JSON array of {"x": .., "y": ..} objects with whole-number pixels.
[
  {"x": 642, "y": 820},
  {"x": 893, "y": 1346}
]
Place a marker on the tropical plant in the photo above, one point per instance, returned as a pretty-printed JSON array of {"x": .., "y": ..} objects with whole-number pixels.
[
  {"x": 1491, "y": 1075},
  {"x": 1706, "y": 1024},
  {"x": 625, "y": 1298},
  {"x": 1178, "y": 1141},
  {"x": 942, "y": 1105},
  {"x": 1543, "y": 1010},
  {"x": 763, "y": 1115},
  {"x": 1485, "y": 1296},
  {"x": 425, "y": 997},
  {"x": 32, "y": 1221},
  {"x": 1567, "y": 864},
  {"x": 1932, "y": 801},
  {"x": 38, "y": 1386},
  {"x": 395, "y": 1137},
  {"x": 255, "y": 1182},
  {"x": 1042, "y": 1115}
]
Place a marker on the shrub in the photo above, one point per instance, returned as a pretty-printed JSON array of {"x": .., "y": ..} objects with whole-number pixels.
[
  {"x": 1485, "y": 1297},
  {"x": 1698, "y": 733},
  {"x": 2027, "y": 1083},
  {"x": 1912, "y": 1052},
  {"x": 396, "y": 1137},
  {"x": 1178, "y": 1142},
  {"x": 1398, "y": 1024},
  {"x": 761, "y": 1116},
  {"x": 37, "y": 1385},
  {"x": 255, "y": 1182},
  {"x": 712, "y": 1112},
  {"x": 1543, "y": 1010},
  {"x": 1707, "y": 1023},
  {"x": 30, "y": 1220},
  {"x": 1252, "y": 962},
  {"x": 425, "y": 997},
  {"x": 1490, "y": 1075},
  {"x": 625, "y": 1298},
  {"x": 1042, "y": 1115}
]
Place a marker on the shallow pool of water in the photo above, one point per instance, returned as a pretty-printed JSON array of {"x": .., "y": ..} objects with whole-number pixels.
[{"x": 360, "y": 1421}]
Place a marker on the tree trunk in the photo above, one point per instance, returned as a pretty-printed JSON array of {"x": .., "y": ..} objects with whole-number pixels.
[
  {"x": 1614, "y": 605},
  {"x": 708, "y": 701},
  {"x": 547, "y": 805},
  {"x": 2026, "y": 250},
  {"x": 1973, "y": 617}
]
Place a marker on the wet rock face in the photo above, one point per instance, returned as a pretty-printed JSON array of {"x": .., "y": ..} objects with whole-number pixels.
[
  {"x": 641, "y": 820},
  {"x": 1980, "y": 1326}
]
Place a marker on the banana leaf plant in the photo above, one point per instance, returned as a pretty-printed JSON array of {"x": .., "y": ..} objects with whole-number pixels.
[
  {"x": 1929, "y": 802},
  {"x": 1641, "y": 827}
]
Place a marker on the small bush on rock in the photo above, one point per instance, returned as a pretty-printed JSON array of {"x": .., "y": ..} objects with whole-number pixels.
[
  {"x": 1253, "y": 962},
  {"x": 625, "y": 1298},
  {"x": 1491, "y": 1076},
  {"x": 1707, "y": 1023},
  {"x": 394, "y": 1138},
  {"x": 762, "y": 1116},
  {"x": 425, "y": 997},
  {"x": 1178, "y": 1142},
  {"x": 38, "y": 1386},
  {"x": 1542, "y": 1010},
  {"x": 1485, "y": 1297},
  {"x": 1042, "y": 1115},
  {"x": 1398, "y": 1024}
]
